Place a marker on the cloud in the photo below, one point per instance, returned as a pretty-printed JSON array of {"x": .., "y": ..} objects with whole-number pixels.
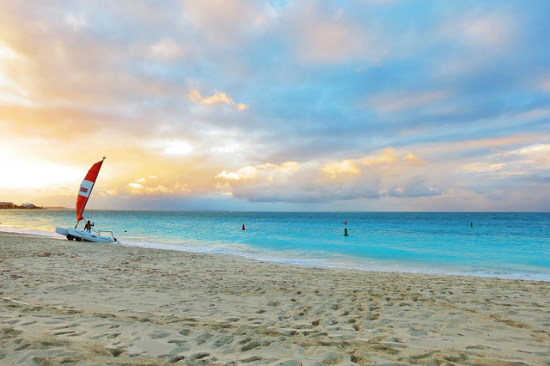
[
  {"x": 477, "y": 42},
  {"x": 217, "y": 98},
  {"x": 76, "y": 21},
  {"x": 535, "y": 114},
  {"x": 342, "y": 167},
  {"x": 416, "y": 188},
  {"x": 495, "y": 30},
  {"x": 329, "y": 35},
  {"x": 228, "y": 23},
  {"x": 12, "y": 90},
  {"x": 242, "y": 107},
  {"x": 390, "y": 174},
  {"x": 388, "y": 157},
  {"x": 544, "y": 83},
  {"x": 174, "y": 147},
  {"x": 241, "y": 174},
  {"x": 529, "y": 159},
  {"x": 267, "y": 172},
  {"x": 144, "y": 186},
  {"x": 167, "y": 49},
  {"x": 400, "y": 101},
  {"x": 413, "y": 159},
  {"x": 325, "y": 182}
]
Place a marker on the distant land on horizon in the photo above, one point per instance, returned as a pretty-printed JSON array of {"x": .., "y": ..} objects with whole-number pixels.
[
  {"x": 29, "y": 206},
  {"x": 24, "y": 206}
]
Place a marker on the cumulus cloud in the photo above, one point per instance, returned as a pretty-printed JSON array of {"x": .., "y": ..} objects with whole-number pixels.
[
  {"x": 342, "y": 167},
  {"x": 387, "y": 157},
  {"x": 416, "y": 188},
  {"x": 362, "y": 178},
  {"x": 525, "y": 160},
  {"x": 413, "y": 159},
  {"x": 217, "y": 98},
  {"x": 267, "y": 172},
  {"x": 241, "y": 174},
  {"x": 146, "y": 186}
]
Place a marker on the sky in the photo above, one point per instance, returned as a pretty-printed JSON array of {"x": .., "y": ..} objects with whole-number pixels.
[{"x": 273, "y": 105}]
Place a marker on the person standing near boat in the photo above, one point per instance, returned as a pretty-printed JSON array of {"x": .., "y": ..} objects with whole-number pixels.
[{"x": 88, "y": 226}]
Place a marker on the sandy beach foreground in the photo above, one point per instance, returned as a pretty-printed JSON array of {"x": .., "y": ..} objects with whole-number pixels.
[{"x": 90, "y": 304}]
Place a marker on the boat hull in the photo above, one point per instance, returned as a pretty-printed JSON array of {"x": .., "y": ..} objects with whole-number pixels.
[{"x": 80, "y": 235}]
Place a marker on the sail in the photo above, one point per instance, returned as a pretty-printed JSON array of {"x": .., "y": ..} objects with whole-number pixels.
[{"x": 86, "y": 189}]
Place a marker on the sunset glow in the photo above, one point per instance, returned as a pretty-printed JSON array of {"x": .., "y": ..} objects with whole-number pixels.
[{"x": 277, "y": 105}]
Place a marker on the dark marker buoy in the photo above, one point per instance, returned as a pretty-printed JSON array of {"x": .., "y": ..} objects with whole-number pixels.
[
  {"x": 471, "y": 224},
  {"x": 346, "y": 232},
  {"x": 244, "y": 227}
]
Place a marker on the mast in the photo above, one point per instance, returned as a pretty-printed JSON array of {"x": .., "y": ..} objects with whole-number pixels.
[{"x": 86, "y": 188}]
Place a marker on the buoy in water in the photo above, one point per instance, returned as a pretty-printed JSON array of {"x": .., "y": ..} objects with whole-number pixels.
[
  {"x": 244, "y": 227},
  {"x": 471, "y": 224},
  {"x": 345, "y": 222},
  {"x": 346, "y": 232}
]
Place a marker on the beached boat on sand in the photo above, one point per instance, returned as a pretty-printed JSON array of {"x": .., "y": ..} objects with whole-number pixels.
[{"x": 81, "y": 201}]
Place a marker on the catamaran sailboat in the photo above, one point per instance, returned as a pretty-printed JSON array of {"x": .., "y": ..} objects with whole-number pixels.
[{"x": 81, "y": 201}]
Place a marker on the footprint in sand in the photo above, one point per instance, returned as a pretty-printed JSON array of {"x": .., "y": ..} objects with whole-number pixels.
[
  {"x": 203, "y": 338},
  {"x": 158, "y": 335},
  {"x": 222, "y": 341},
  {"x": 29, "y": 323}
]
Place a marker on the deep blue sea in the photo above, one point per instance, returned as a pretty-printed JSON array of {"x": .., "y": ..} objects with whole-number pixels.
[{"x": 506, "y": 245}]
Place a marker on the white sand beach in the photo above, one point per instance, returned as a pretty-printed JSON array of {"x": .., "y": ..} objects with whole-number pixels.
[{"x": 75, "y": 303}]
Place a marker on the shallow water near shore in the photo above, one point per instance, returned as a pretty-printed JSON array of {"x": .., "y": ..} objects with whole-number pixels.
[{"x": 507, "y": 245}]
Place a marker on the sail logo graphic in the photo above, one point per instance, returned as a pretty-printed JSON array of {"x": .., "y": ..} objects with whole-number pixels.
[{"x": 86, "y": 188}]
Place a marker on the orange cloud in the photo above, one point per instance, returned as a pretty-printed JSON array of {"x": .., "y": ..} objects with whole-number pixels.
[
  {"x": 413, "y": 159},
  {"x": 374, "y": 176},
  {"x": 388, "y": 157},
  {"x": 342, "y": 167},
  {"x": 217, "y": 98}
]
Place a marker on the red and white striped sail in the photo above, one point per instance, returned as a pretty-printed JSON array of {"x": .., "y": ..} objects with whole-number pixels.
[{"x": 86, "y": 189}]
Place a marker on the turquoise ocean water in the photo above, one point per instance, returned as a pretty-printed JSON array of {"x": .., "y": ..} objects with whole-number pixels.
[{"x": 507, "y": 245}]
